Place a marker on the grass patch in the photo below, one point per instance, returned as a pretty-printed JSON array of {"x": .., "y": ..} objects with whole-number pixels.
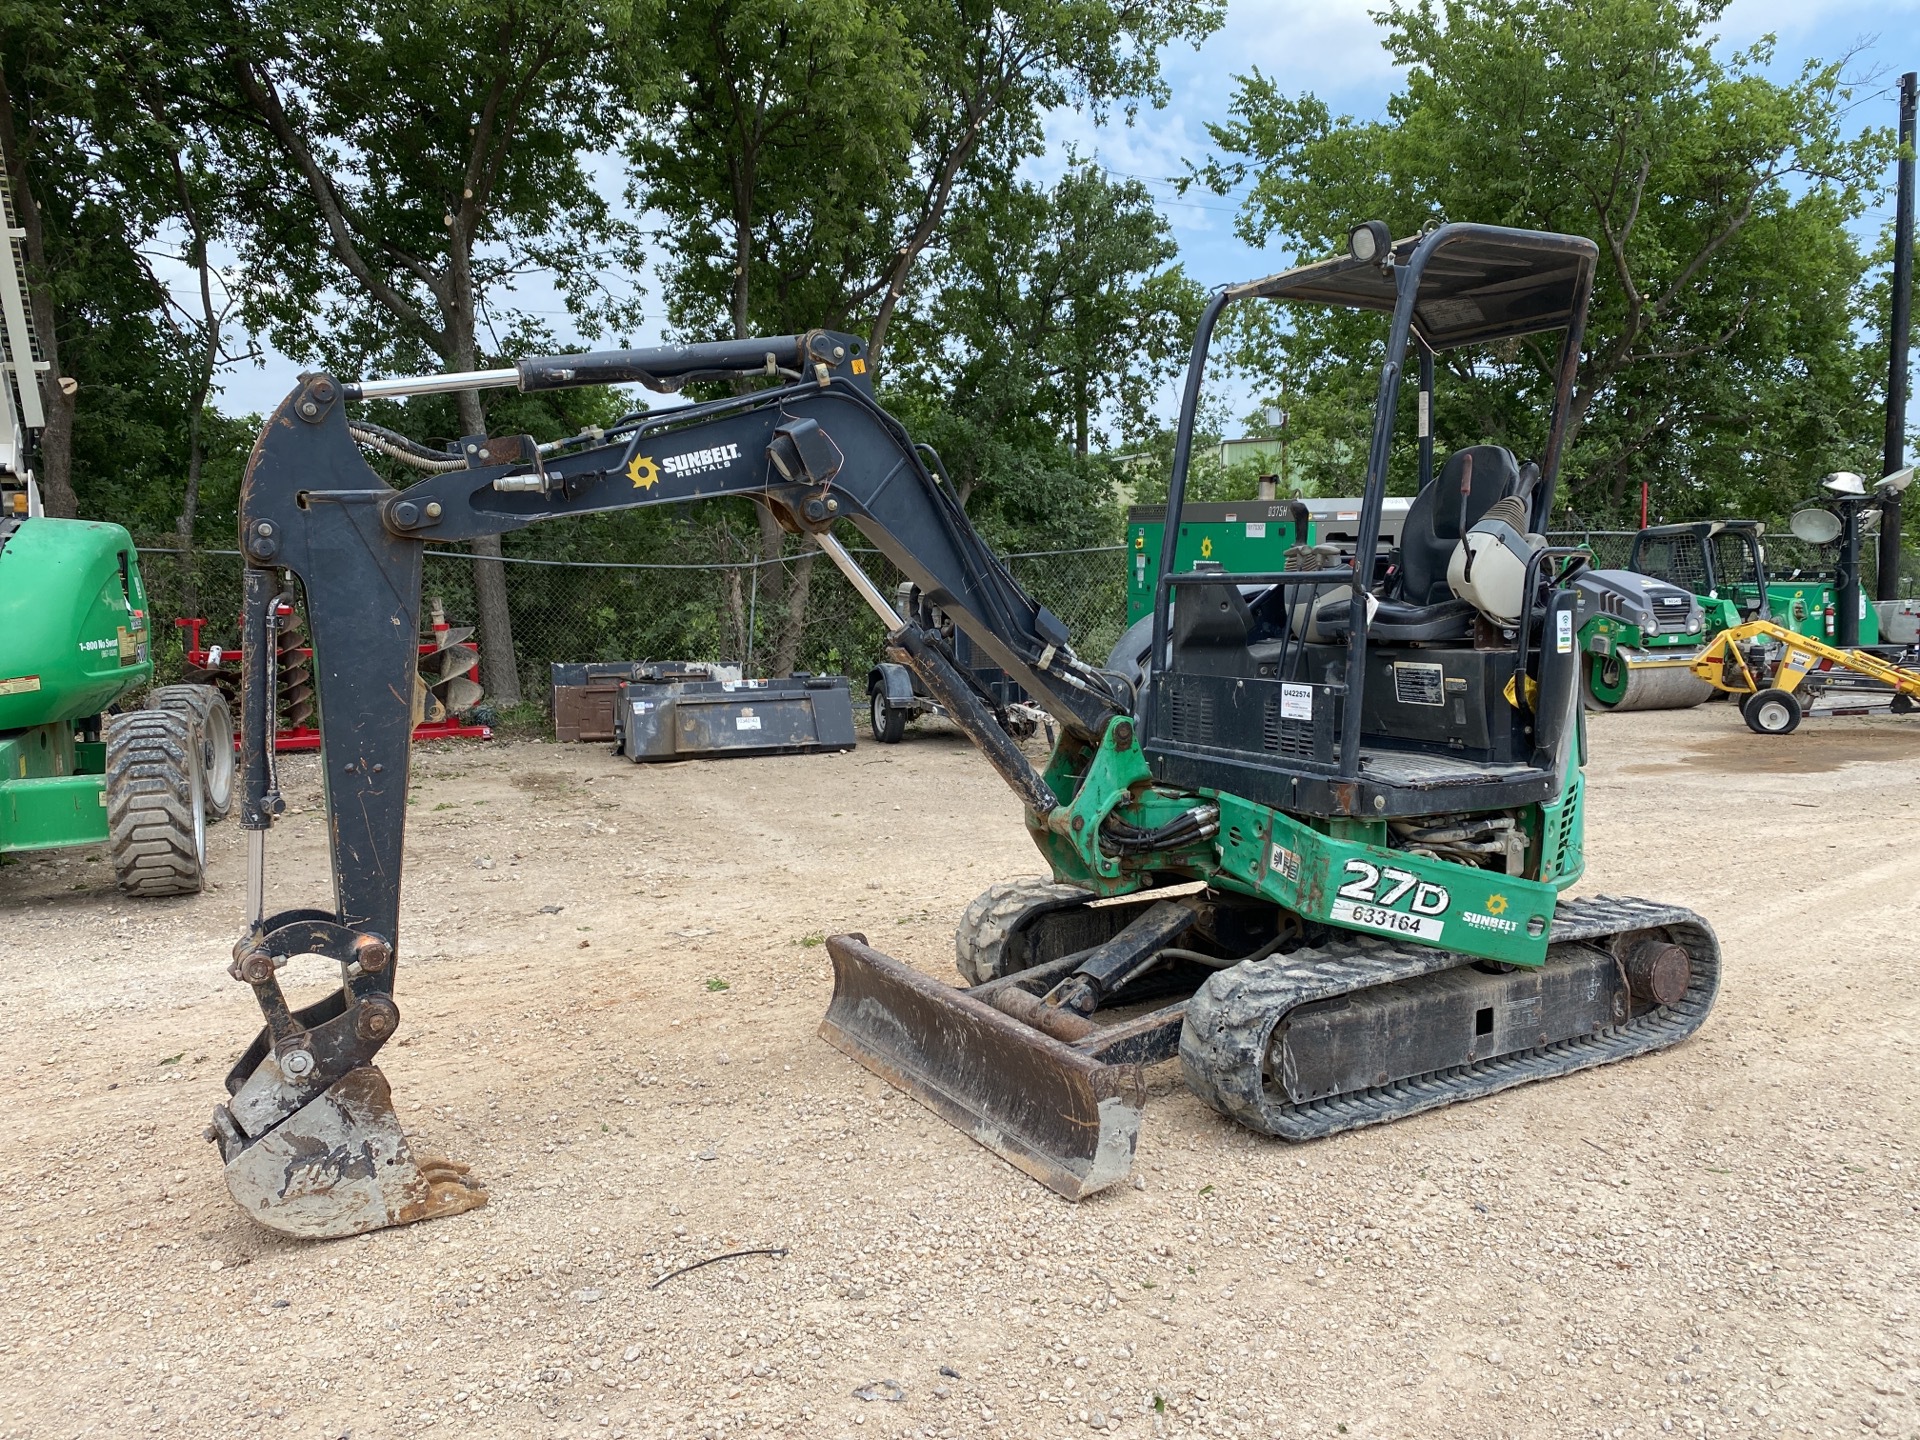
[
  {"x": 526, "y": 721},
  {"x": 715, "y": 984}
]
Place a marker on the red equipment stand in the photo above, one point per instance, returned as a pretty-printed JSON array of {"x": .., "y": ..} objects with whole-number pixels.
[{"x": 305, "y": 737}]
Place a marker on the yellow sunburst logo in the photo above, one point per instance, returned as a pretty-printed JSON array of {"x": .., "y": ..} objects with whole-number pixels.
[
  {"x": 1496, "y": 905},
  {"x": 643, "y": 472},
  {"x": 1206, "y": 548}
]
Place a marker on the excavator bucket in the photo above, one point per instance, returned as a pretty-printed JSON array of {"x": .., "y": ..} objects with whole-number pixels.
[
  {"x": 1068, "y": 1120},
  {"x": 338, "y": 1165}
]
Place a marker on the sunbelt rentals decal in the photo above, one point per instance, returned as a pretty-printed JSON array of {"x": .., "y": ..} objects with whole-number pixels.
[
  {"x": 1372, "y": 894},
  {"x": 645, "y": 471}
]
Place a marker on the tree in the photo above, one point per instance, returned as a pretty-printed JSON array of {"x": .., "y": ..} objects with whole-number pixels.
[
  {"x": 1047, "y": 325},
  {"x": 1719, "y": 363},
  {"x": 1057, "y": 307},
  {"x": 397, "y": 165},
  {"x": 46, "y": 98},
  {"x": 812, "y": 152}
]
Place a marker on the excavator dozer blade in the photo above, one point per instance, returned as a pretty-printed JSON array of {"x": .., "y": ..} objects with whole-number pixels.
[
  {"x": 1065, "y": 1118},
  {"x": 338, "y": 1165}
]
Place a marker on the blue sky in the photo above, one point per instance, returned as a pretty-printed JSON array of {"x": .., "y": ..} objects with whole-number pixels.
[{"x": 1331, "y": 47}]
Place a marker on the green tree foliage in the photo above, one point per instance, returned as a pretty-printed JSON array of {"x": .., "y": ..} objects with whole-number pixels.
[
  {"x": 118, "y": 191},
  {"x": 82, "y": 277},
  {"x": 806, "y": 154},
  {"x": 397, "y": 166},
  {"x": 809, "y": 155},
  {"x": 1721, "y": 364},
  {"x": 1048, "y": 323},
  {"x": 1056, "y": 308}
]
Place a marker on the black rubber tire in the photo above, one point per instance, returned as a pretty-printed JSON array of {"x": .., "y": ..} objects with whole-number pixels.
[
  {"x": 156, "y": 803},
  {"x": 214, "y": 721},
  {"x": 888, "y": 723},
  {"x": 980, "y": 943},
  {"x": 1772, "y": 712}
]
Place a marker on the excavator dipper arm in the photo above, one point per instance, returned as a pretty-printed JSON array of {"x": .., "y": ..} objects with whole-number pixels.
[{"x": 309, "y": 1136}]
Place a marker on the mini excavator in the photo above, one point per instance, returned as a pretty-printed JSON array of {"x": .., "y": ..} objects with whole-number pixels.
[{"x": 1307, "y": 830}]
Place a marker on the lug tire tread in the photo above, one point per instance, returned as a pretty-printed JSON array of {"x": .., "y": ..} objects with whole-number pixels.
[
  {"x": 214, "y": 717},
  {"x": 151, "y": 767},
  {"x": 995, "y": 914}
]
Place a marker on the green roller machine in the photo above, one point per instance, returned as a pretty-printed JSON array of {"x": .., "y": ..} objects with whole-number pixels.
[
  {"x": 77, "y": 766},
  {"x": 1684, "y": 584}
]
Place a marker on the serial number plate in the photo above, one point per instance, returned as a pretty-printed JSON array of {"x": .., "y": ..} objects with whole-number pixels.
[{"x": 1394, "y": 922}]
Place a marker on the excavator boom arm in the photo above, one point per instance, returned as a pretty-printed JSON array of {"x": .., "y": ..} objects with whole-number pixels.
[{"x": 815, "y": 450}]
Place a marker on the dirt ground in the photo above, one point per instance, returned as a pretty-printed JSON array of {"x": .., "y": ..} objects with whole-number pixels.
[{"x": 610, "y": 982}]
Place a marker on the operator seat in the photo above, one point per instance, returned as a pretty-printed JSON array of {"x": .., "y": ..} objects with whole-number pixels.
[
  {"x": 1432, "y": 526},
  {"x": 1425, "y": 609}
]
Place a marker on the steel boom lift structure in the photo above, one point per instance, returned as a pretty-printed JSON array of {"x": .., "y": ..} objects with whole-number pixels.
[{"x": 1331, "y": 809}]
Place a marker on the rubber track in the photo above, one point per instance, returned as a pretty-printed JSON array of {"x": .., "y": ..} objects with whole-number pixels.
[
  {"x": 151, "y": 763},
  {"x": 1223, "y": 1044},
  {"x": 996, "y": 913},
  {"x": 215, "y": 721}
]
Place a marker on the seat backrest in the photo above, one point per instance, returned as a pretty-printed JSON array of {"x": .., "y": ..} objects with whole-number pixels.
[{"x": 1433, "y": 521}]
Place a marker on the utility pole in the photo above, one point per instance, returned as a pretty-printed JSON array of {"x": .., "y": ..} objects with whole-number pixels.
[{"x": 1898, "y": 333}]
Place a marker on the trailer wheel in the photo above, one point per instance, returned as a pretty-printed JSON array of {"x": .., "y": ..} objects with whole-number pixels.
[
  {"x": 214, "y": 721},
  {"x": 1772, "y": 712},
  {"x": 888, "y": 723},
  {"x": 156, "y": 803}
]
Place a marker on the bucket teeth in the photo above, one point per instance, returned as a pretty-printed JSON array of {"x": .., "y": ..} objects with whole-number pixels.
[
  {"x": 1068, "y": 1120},
  {"x": 341, "y": 1165}
]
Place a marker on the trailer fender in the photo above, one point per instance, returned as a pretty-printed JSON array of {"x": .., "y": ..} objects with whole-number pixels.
[{"x": 895, "y": 682}]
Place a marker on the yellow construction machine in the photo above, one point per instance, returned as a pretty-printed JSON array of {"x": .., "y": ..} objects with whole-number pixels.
[{"x": 1777, "y": 673}]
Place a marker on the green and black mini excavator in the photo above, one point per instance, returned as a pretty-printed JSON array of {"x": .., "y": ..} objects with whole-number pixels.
[{"x": 1308, "y": 830}]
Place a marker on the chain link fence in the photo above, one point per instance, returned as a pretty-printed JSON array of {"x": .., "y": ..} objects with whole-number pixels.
[
  {"x": 797, "y": 612},
  {"x": 744, "y": 613}
]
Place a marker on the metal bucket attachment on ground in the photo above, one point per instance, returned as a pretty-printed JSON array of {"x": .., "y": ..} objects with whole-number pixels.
[
  {"x": 339, "y": 1165},
  {"x": 1064, "y": 1118}
]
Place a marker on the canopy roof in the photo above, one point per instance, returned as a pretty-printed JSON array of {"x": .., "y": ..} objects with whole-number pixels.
[
  {"x": 1476, "y": 283},
  {"x": 1703, "y": 529}
]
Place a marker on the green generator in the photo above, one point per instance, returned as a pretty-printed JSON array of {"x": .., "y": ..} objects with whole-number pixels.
[{"x": 1245, "y": 537}]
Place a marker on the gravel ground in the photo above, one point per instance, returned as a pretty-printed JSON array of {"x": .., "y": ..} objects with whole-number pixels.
[{"x": 611, "y": 981}]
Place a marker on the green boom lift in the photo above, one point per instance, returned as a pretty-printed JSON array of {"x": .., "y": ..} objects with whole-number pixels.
[{"x": 74, "y": 645}]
